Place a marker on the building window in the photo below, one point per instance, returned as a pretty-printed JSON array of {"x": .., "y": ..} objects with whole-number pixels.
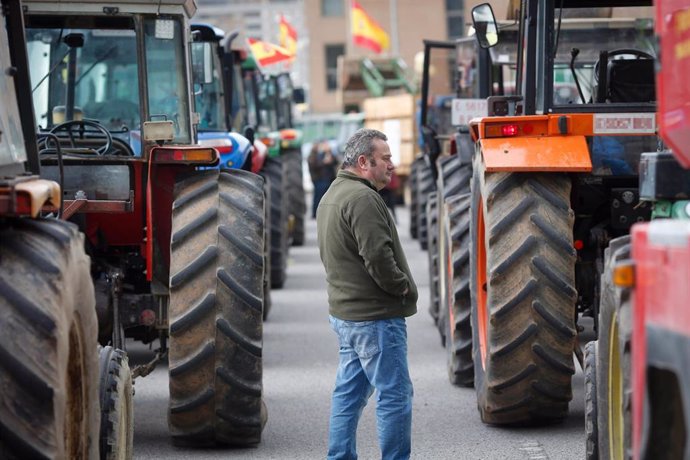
[
  {"x": 456, "y": 27},
  {"x": 455, "y": 16},
  {"x": 332, "y": 8},
  {"x": 332, "y": 53}
]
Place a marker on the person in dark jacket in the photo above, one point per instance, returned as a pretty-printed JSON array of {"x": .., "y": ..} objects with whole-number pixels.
[
  {"x": 370, "y": 293},
  {"x": 323, "y": 167}
]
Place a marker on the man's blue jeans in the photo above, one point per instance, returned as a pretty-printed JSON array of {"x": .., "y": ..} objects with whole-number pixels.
[{"x": 373, "y": 355}]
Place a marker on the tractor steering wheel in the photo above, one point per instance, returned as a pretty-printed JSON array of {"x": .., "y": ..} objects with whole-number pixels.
[
  {"x": 82, "y": 131},
  {"x": 639, "y": 54}
]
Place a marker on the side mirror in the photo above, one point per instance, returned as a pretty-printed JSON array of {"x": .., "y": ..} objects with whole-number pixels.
[{"x": 485, "y": 26}]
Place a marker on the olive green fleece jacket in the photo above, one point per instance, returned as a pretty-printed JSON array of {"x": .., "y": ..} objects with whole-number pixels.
[{"x": 366, "y": 269}]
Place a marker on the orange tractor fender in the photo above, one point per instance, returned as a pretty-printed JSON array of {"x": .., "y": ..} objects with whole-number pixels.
[{"x": 555, "y": 143}]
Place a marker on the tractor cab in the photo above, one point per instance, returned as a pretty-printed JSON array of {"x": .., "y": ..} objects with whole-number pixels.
[
  {"x": 108, "y": 78},
  {"x": 220, "y": 99}
]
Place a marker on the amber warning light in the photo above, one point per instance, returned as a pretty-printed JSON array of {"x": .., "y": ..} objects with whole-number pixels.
[{"x": 185, "y": 155}]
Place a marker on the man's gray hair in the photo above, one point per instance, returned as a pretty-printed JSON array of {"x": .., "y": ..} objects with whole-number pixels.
[{"x": 361, "y": 143}]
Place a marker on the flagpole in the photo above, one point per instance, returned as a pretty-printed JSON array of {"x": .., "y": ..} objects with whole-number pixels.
[{"x": 394, "y": 27}]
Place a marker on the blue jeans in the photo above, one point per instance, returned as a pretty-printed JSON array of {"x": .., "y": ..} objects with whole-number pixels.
[{"x": 373, "y": 355}]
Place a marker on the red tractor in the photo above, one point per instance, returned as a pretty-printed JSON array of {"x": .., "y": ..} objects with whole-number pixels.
[
  {"x": 176, "y": 246},
  {"x": 637, "y": 377}
]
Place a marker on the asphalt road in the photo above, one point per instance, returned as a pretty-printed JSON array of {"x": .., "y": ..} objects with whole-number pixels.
[{"x": 300, "y": 356}]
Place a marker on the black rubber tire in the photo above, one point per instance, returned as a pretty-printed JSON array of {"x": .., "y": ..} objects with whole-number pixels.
[
  {"x": 297, "y": 205},
  {"x": 591, "y": 425},
  {"x": 117, "y": 412},
  {"x": 613, "y": 339},
  {"x": 432, "y": 259},
  {"x": 425, "y": 185},
  {"x": 417, "y": 164},
  {"x": 456, "y": 283},
  {"x": 275, "y": 172},
  {"x": 268, "y": 302},
  {"x": 454, "y": 177},
  {"x": 525, "y": 373},
  {"x": 48, "y": 348},
  {"x": 216, "y": 309}
]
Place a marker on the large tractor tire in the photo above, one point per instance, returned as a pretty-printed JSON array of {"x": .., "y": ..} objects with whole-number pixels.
[
  {"x": 117, "y": 412},
  {"x": 268, "y": 302},
  {"x": 297, "y": 206},
  {"x": 613, "y": 360},
  {"x": 522, "y": 282},
  {"x": 216, "y": 305},
  {"x": 417, "y": 165},
  {"x": 456, "y": 289},
  {"x": 453, "y": 179},
  {"x": 432, "y": 256},
  {"x": 591, "y": 427},
  {"x": 48, "y": 348},
  {"x": 425, "y": 185},
  {"x": 274, "y": 172},
  {"x": 453, "y": 176}
]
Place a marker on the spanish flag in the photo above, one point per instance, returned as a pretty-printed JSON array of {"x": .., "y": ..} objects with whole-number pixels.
[
  {"x": 288, "y": 36},
  {"x": 366, "y": 32},
  {"x": 266, "y": 54}
]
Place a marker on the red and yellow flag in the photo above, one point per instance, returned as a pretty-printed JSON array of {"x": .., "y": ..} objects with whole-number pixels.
[
  {"x": 288, "y": 36},
  {"x": 366, "y": 32},
  {"x": 266, "y": 53}
]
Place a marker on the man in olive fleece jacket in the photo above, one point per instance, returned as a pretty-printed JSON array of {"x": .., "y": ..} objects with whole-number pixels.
[
  {"x": 370, "y": 292},
  {"x": 366, "y": 269}
]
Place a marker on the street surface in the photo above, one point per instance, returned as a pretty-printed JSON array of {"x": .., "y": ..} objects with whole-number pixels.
[{"x": 300, "y": 357}]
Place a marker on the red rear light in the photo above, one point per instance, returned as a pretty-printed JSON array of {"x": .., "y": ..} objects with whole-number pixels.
[
  {"x": 453, "y": 146},
  {"x": 509, "y": 130},
  {"x": 23, "y": 204},
  {"x": 224, "y": 149},
  {"x": 288, "y": 134}
]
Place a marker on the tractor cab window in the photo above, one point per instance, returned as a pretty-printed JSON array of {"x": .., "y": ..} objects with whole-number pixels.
[
  {"x": 250, "y": 91},
  {"x": 208, "y": 87},
  {"x": 11, "y": 140},
  {"x": 267, "y": 103},
  {"x": 167, "y": 89},
  {"x": 284, "y": 89},
  {"x": 504, "y": 63},
  {"x": 625, "y": 73},
  {"x": 239, "y": 109},
  {"x": 84, "y": 73}
]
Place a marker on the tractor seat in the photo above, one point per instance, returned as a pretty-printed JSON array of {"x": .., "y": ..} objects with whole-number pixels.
[{"x": 631, "y": 80}]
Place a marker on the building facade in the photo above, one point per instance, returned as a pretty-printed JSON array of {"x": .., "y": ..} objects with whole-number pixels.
[
  {"x": 328, "y": 23},
  {"x": 323, "y": 29}
]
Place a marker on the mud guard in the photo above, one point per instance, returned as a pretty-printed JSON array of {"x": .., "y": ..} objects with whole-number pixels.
[{"x": 547, "y": 153}]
